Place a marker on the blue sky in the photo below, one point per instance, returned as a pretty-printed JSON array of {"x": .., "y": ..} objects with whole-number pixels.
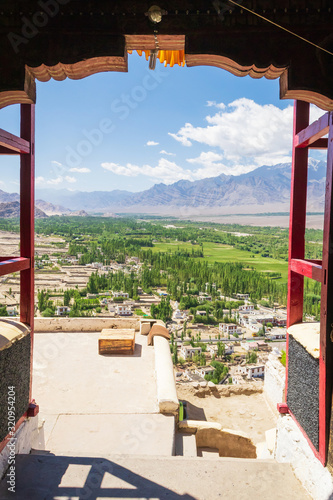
[{"x": 132, "y": 130}]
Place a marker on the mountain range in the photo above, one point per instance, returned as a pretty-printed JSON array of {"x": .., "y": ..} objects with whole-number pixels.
[
  {"x": 265, "y": 189},
  {"x": 12, "y": 209}
]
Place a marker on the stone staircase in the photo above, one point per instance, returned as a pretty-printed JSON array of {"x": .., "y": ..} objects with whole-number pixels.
[{"x": 45, "y": 476}]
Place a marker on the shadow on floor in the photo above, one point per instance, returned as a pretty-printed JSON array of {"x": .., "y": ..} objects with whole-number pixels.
[{"x": 47, "y": 477}]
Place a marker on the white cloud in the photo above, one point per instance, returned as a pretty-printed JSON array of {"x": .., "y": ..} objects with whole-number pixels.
[
  {"x": 70, "y": 179},
  {"x": 82, "y": 170},
  {"x": 220, "y": 105},
  {"x": 152, "y": 143},
  {"x": 165, "y": 171},
  {"x": 242, "y": 136},
  {"x": 56, "y": 181},
  {"x": 163, "y": 152},
  {"x": 315, "y": 113},
  {"x": 212, "y": 166},
  {"x": 181, "y": 136},
  {"x": 248, "y": 133},
  {"x": 56, "y": 163}
]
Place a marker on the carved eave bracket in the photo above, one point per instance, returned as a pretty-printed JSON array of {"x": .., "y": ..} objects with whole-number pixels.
[{"x": 304, "y": 75}]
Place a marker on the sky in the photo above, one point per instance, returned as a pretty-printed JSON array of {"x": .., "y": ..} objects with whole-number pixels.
[{"x": 132, "y": 130}]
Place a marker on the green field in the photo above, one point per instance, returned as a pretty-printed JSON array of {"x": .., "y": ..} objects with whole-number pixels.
[{"x": 215, "y": 252}]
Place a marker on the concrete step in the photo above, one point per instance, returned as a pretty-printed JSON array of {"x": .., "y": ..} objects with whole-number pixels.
[
  {"x": 46, "y": 477},
  {"x": 208, "y": 453},
  {"x": 263, "y": 452},
  {"x": 186, "y": 445},
  {"x": 98, "y": 435}
]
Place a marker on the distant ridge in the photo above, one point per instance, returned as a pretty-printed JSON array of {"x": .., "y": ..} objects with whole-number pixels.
[
  {"x": 265, "y": 189},
  {"x": 11, "y": 209}
]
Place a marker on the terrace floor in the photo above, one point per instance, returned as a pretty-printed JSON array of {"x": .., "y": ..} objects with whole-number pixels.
[{"x": 98, "y": 404}]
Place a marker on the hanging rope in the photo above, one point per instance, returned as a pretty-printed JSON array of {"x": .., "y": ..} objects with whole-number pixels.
[{"x": 281, "y": 27}]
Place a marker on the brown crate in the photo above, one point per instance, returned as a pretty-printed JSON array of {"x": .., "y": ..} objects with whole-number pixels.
[{"x": 116, "y": 341}]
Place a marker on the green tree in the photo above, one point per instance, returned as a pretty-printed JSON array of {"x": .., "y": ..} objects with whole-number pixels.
[
  {"x": 67, "y": 297},
  {"x": 42, "y": 297},
  {"x": 220, "y": 349},
  {"x": 251, "y": 357},
  {"x": 175, "y": 355}
]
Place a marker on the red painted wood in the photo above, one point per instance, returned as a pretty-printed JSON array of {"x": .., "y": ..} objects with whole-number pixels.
[
  {"x": 297, "y": 215},
  {"x": 282, "y": 408},
  {"x": 297, "y": 223},
  {"x": 326, "y": 312},
  {"x": 27, "y": 188},
  {"x": 33, "y": 409},
  {"x": 13, "y": 143},
  {"x": 4, "y": 443},
  {"x": 27, "y": 222},
  {"x": 311, "y": 133},
  {"x": 6, "y": 151},
  {"x": 13, "y": 264},
  {"x": 319, "y": 144},
  {"x": 307, "y": 268}
]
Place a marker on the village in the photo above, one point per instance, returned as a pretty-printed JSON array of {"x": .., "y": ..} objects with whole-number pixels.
[{"x": 231, "y": 352}]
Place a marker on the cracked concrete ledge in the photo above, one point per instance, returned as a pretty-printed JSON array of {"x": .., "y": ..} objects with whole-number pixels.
[{"x": 53, "y": 325}]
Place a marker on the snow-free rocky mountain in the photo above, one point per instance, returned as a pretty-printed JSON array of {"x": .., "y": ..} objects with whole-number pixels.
[
  {"x": 12, "y": 209},
  {"x": 266, "y": 189}
]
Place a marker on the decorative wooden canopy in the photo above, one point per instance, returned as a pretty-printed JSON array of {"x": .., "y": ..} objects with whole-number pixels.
[{"x": 292, "y": 40}]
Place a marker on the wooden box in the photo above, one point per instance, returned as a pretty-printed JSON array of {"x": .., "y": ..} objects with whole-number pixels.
[{"x": 116, "y": 341}]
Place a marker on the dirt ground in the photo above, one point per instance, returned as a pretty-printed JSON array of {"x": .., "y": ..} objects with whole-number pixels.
[{"x": 240, "y": 408}]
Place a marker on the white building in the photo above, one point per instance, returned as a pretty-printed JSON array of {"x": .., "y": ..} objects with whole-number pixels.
[
  {"x": 123, "y": 310},
  {"x": 62, "y": 310},
  {"x": 120, "y": 295},
  {"x": 255, "y": 327},
  {"x": 187, "y": 351},
  {"x": 264, "y": 318},
  {"x": 280, "y": 319},
  {"x": 243, "y": 319},
  {"x": 212, "y": 349},
  {"x": 237, "y": 379},
  {"x": 246, "y": 308},
  {"x": 252, "y": 371},
  {"x": 200, "y": 313},
  {"x": 179, "y": 314},
  {"x": 204, "y": 370},
  {"x": 277, "y": 334},
  {"x": 11, "y": 311},
  {"x": 203, "y": 297},
  {"x": 229, "y": 349},
  {"x": 242, "y": 296},
  {"x": 228, "y": 328},
  {"x": 259, "y": 345}
]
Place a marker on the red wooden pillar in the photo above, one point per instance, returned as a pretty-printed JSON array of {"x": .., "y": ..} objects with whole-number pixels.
[
  {"x": 326, "y": 312},
  {"x": 297, "y": 221},
  {"x": 307, "y": 136},
  {"x": 299, "y": 179},
  {"x": 27, "y": 220}
]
